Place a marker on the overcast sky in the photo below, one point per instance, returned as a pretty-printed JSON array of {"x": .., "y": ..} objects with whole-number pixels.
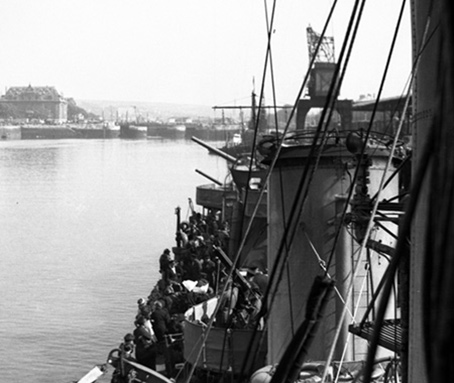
[{"x": 202, "y": 52}]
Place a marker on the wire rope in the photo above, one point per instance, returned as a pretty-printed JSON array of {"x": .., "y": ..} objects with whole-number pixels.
[
  {"x": 299, "y": 202},
  {"x": 406, "y": 221},
  {"x": 230, "y": 276},
  {"x": 276, "y": 155},
  {"x": 296, "y": 206},
  {"x": 366, "y": 138},
  {"x": 315, "y": 139},
  {"x": 355, "y": 311},
  {"x": 271, "y": 167},
  {"x": 268, "y": 60},
  {"x": 395, "y": 260},
  {"x": 380, "y": 188},
  {"x": 322, "y": 265},
  {"x": 290, "y": 298}
]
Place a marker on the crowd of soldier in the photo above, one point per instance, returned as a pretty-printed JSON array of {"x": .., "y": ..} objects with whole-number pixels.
[{"x": 192, "y": 276}]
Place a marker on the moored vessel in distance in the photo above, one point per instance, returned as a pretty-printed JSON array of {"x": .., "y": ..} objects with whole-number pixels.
[
  {"x": 97, "y": 130},
  {"x": 47, "y": 131},
  {"x": 35, "y": 131},
  {"x": 174, "y": 131},
  {"x": 217, "y": 130},
  {"x": 174, "y": 128},
  {"x": 132, "y": 130},
  {"x": 154, "y": 128},
  {"x": 171, "y": 128}
]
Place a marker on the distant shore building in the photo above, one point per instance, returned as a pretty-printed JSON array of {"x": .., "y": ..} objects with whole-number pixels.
[{"x": 37, "y": 102}]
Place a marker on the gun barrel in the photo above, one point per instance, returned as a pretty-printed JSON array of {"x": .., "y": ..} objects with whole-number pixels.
[
  {"x": 214, "y": 150},
  {"x": 229, "y": 264},
  {"x": 209, "y": 177}
]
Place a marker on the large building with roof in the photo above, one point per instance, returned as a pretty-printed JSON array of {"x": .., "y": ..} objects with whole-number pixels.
[{"x": 37, "y": 102}]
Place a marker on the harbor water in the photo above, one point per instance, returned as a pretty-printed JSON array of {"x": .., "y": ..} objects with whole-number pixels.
[{"x": 82, "y": 225}]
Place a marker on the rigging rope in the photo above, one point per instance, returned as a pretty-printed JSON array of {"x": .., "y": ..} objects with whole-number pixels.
[
  {"x": 295, "y": 208},
  {"x": 355, "y": 311},
  {"x": 299, "y": 202},
  {"x": 292, "y": 324},
  {"x": 407, "y": 87},
  {"x": 296, "y": 352},
  {"x": 268, "y": 58},
  {"x": 319, "y": 130},
  {"x": 358, "y": 263},
  {"x": 405, "y": 228},
  {"x": 273, "y": 163},
  {"x": 366, "y": 137},
  {"x": 278, "y": 149},
  {"x": 230, "y": 276},
  {"x": 322, "y": 265},
  {"x": 380, "y": 188},
  {"x": 399, "y": 253}
]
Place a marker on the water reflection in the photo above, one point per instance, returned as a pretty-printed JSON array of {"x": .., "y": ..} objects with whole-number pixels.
[{"x": 82, "y": 226}]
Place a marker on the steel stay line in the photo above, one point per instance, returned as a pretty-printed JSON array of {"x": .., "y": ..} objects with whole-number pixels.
[
  {"x": 363, "y": 245},
  {"x": 349, "y": 337},
  {"x": 322, "y": 265},
  {"x": 210, "y": 324}
]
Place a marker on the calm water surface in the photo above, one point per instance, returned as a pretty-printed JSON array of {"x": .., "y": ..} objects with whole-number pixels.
[{"x": 82, "y": 225}]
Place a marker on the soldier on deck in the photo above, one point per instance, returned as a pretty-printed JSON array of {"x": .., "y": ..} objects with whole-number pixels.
[
  {"x": 166, "y": 264},
  {"x": 145, "y": 346}
]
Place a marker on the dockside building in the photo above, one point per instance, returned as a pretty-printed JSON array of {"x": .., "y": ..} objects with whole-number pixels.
[{"x": 37, "y": 102}]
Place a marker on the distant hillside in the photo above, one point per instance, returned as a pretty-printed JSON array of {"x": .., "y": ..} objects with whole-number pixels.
[
  {"x": 75, "y": 111},
  {"x": 113, "y": 109}
]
